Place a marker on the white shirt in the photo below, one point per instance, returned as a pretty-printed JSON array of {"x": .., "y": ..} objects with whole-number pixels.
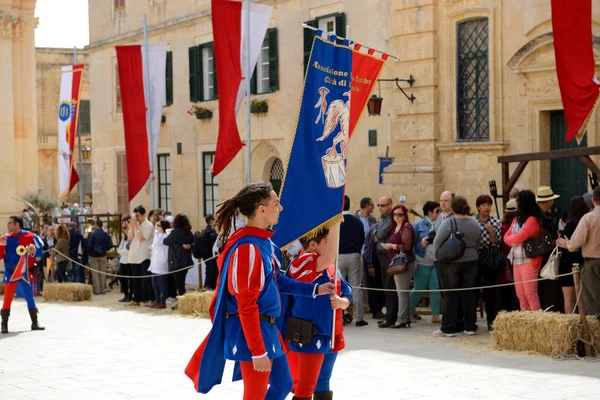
[
  {"x": 139, "y": 249},
  {"x": 123, "y": 251},
  {"x": 160, "y": 253}
]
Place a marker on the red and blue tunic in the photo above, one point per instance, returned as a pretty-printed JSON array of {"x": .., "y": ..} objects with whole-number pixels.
[
  {"x": 251, "y": 287},
  {"x": 8, "y": 253},
  {"x": 318, "y": 310}
]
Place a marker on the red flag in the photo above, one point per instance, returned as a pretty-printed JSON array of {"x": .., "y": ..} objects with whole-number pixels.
[
  {"x": 365, "y": 71},
  {"x": 579, "y": 89},
  {"x": 227, "y": 32},
  {"x": 228, "y": 20}
]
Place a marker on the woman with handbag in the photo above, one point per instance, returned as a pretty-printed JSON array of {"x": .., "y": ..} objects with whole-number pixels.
[
  {"x": 402, "y": 262},
  {"x": 525, "y": 226},
  {"x": 458, "y": 268},
  {"x": 577, "y": 208},
  {"x": 308, "y": 332},
  {"x": 491, "y": 260}
]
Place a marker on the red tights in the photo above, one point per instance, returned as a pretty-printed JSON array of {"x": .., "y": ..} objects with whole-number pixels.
[
  {"x": 278, "y": 381},
  {"x": 308, "y": 370}
]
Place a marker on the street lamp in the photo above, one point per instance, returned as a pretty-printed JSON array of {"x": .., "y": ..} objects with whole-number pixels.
[
  {"x": 86, "y": 152},
  {"x": 374, "y": 105}
]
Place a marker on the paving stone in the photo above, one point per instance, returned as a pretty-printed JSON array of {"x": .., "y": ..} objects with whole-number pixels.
[{"x": 90, "y": 352}]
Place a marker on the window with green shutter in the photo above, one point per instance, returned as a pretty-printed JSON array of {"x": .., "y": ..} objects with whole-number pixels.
[
  {"x": 207, "y": 72},
  {"x": 169, "y": 79},
  {"x": 265, "y": 78},
  {"x": 84, "y": 116},
  {"x": 309, "y": 35},
  {"x": 329, "y": 24},
  {"x": 195, "y": 73}
]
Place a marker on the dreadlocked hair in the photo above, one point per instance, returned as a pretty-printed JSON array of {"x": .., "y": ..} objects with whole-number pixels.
[{"x": 246, "y": 201}]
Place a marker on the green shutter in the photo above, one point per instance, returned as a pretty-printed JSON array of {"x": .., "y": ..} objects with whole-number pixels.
[
  {"x": 169, "y": 79},
  {"x": 309, "y": 35},
  {"x": 195, "y": 72},
  {"x": 340, "y": 25},
  {"x": 200, "y": 90},
  {"x": 253, "y": 84},
  {"x": 216, "y": 95},
  {"x": 273, "y": 59},
  {"x": 84, "y": 116}
]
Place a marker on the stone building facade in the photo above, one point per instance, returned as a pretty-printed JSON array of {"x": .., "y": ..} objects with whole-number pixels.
[
  {"x": 48, "y": 77},
  {"x": 18, "y": 113},
  {"x": 485, "y": 86}
]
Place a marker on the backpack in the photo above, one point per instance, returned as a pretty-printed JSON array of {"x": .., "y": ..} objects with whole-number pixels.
[{"x": 201, "y": 247}]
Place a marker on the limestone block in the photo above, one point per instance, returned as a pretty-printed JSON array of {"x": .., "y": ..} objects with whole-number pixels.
[
  {"x": 415, "y": 47},
  {"x": 415, "y": 20},
  {"x": 404, "y": 4},
  {"x": 426, "y": 101},
  {"x": 415, "y": 127}
]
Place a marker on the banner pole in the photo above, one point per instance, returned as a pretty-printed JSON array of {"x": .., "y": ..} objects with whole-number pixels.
[
  {"x": 149, "y": 113},
  {"x": 248, "y": 90},
  {"x": 80, "y": 183}
]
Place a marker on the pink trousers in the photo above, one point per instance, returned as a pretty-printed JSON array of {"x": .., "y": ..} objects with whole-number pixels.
[{"x": 527, "y": 293}]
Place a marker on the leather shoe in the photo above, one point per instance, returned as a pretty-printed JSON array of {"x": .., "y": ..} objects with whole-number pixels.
[
  {"x": 361, "y": 323},
  {"x": 385, "y": 325},
  {"x": 125, "y": 300},
  {"x": 378, "y": 315}
]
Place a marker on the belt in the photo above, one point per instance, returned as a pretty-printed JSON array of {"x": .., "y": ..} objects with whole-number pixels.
[{"x": 262, "y": 317}]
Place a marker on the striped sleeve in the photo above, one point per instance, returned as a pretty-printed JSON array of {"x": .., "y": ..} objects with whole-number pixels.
[
  {"x": 304, "y": 268},
  {"x": 39, "y": 246},
  {"x": 246, "y": 279}
]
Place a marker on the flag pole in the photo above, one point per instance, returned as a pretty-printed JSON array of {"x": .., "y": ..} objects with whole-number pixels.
[
  {"x": 248, "y": 89},
  {"x": 149, "y": 113},
  {"x": 80, "y": 183},
  {"x": 337, "y": 261}
]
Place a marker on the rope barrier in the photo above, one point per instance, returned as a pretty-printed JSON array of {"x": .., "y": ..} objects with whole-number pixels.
[
  {"x": 129, "y": 276},
  {"x": 456, "y": 289}
]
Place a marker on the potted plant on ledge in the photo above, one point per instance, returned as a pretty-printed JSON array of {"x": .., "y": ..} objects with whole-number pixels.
[
  {"x": 200, "y": 112},
  {"x": 258, "y": 106}
]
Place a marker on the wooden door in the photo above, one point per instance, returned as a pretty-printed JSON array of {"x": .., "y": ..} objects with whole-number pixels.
[{"x": 568, "y": 176}]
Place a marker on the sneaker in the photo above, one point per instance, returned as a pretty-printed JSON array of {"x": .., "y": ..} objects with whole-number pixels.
[
  {"x": 170, "y": 299},
  {"x": 470, "y": 333},
  {"x": 439, "y": 333}
]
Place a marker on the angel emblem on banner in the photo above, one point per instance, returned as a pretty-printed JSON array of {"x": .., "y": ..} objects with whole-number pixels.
[{"x": 338, "y": 114}]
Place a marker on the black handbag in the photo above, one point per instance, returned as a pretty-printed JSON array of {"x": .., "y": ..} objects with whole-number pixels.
[
  {"x": 492, "y": 258},
  {"x": 453, "y": 247},
  {"x": 300, "y": 331},
  {"x": 399, "y": 263},
  {"x": 539, "y": 245}
]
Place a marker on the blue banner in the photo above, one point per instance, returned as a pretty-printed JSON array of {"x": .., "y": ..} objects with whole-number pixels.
[
  {"x": 313, "y": 189},
  {"x": 383, "y": 164}
]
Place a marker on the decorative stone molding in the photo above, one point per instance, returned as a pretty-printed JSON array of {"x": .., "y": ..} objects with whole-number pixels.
[
  {"x": 155, "y": 2},
  {"x": 473, "y": 146},
  {"x": 10, "y": 23}
]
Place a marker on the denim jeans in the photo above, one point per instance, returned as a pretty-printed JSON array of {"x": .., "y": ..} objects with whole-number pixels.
[{"x": 159, "y": 284}]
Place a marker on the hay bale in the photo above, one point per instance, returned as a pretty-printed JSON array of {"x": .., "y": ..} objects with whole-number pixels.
[
  {"x": 195, "y": 303},
  {"x": 67, "y": 292},
  {"x": 539, "y": 332}
]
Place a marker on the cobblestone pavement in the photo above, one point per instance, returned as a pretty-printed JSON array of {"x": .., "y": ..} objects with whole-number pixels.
[{"x": 90, "y": 352}]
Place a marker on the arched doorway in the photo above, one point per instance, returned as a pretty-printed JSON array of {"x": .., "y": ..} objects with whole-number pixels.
[{"x": 276, "y": 175}]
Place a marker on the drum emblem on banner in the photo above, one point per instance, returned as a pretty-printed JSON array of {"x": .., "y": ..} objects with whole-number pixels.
[{"x": 338, "y": 113}]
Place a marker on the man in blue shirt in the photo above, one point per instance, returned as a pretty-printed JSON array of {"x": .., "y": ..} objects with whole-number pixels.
[{"x": 75, "y": 241}]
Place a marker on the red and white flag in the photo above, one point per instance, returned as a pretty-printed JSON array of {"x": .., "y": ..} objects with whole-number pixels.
[
  {"x": 229, "y": 20},
  {"x": 575, "y": 67},
  {"x": 68, "y": 118},
  {"x": 132, "y": 78}
]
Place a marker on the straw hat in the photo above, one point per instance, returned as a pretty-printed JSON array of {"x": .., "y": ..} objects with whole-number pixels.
[
  {"x": 545, "y": 193},
  {"x": 511, "y": 206}
]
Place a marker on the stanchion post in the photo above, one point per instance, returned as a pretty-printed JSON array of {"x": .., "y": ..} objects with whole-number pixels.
[{"x": 581, "y": 306}]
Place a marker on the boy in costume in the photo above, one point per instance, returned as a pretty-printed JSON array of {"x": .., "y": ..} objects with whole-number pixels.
[
  {"x": 247, "y": 302},
  {"x": 19, "y": 249}
]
